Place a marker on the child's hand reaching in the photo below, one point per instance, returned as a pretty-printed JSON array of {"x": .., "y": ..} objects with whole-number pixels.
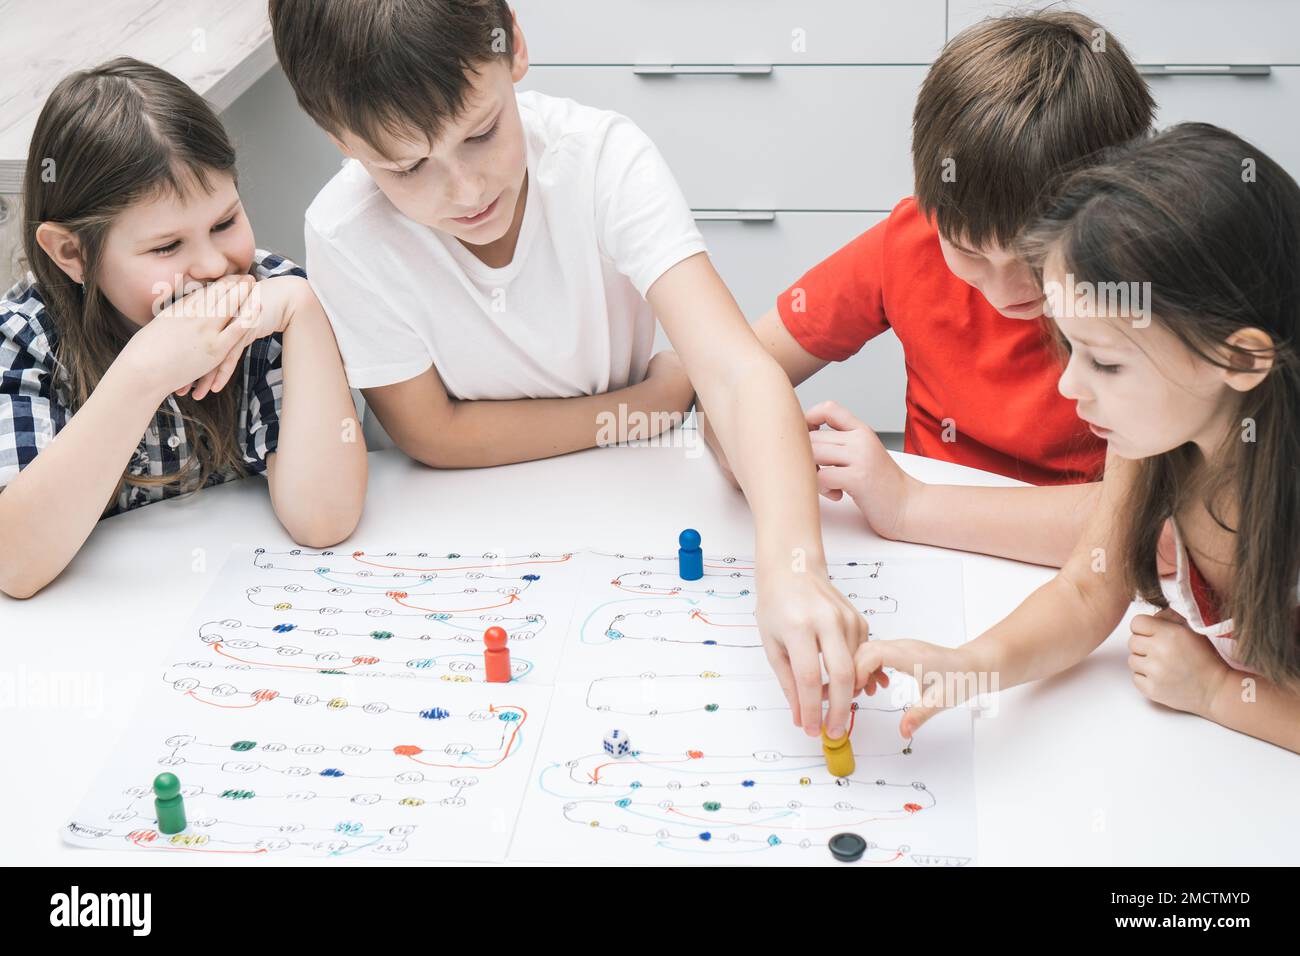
[
  {"x": 1172, "y": 664},
  {"x": 945, "y": 676},
  {"x": 851, "y": 460},
  {"x": 804, "y": 621}
]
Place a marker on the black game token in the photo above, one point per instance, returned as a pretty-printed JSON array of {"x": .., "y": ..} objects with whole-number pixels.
[{"x": 847, "y": 847}]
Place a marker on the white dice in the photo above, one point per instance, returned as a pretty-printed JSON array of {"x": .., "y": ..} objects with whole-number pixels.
[{"x": 617, "y": 744}]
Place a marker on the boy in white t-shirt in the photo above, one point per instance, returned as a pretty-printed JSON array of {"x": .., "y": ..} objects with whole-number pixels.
[{"x": 493, "y": 263}]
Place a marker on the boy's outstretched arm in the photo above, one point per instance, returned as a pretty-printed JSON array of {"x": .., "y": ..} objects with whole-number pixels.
[
  {"x": 757, "y": 420},
  {"x": 443, "y": 432},
  {"x": 797, "y": 363}
]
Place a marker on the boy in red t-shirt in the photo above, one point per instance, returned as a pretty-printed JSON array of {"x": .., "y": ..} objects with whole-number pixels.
[{"x": 1010, "y": 103}]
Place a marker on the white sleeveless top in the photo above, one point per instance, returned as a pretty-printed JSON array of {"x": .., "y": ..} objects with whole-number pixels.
[{"x": 1182, "y": 598}]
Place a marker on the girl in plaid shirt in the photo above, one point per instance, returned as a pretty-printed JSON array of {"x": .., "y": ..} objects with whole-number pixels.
[{"x": 146, "y": 298}]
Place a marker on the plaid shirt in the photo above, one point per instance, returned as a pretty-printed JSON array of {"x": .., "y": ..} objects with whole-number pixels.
[{"x": 34, "y": 404}]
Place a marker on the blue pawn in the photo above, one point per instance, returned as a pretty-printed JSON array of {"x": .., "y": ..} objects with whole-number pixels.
[{"x": 690, "y": 559}]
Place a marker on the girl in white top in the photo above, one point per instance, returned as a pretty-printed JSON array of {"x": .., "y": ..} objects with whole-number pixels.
[{"x": 1191, "y": 375}]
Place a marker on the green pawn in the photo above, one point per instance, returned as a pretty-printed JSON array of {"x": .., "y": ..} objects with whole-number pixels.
[{"x": 168, "y": 804}]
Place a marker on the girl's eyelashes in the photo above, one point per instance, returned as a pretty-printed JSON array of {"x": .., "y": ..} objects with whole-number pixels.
[
  {"x": 1108, "y": 369},
  {"x": 176, "y": 243}
]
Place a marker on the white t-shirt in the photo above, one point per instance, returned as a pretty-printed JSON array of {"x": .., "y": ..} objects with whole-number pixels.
[{"x": 603, "y": 219}]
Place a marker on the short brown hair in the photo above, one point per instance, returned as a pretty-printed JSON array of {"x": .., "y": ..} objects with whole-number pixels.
[
  {"x": 1010, "y": 105},
  {"x": 387, "y": 66}
]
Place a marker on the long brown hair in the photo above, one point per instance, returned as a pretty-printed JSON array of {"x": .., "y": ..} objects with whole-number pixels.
[
  {"x": 109, "y": 137},
  {"x": 1214, "y": 225}
]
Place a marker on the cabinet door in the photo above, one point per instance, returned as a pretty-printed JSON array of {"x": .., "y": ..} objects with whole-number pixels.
[
  {"x": 1177, "y": 31},
  {"x": 812, "y": 138},
  {"x": 731, "y": 31},
  {"x": 1260, "y": 109}
]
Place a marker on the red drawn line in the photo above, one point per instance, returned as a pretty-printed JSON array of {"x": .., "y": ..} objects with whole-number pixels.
[
  {"x": 492, "y": 708},
  {"x": 398, "y": 595},
  {"x": 690, "y": 755},
  {"x": 700, "y": 614},
  {"x": 137, "y": 837},
  {"x": 299, "y": 667}
]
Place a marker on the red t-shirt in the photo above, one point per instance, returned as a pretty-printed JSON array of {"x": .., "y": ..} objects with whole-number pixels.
[{"x": 993, "y": 377}]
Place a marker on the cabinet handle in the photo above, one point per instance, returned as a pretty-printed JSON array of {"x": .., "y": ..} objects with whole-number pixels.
[
  {"x": 734, "y": 215},
  {"x": 670, "y": 69},
  {"x": 1205, "y": 69}
]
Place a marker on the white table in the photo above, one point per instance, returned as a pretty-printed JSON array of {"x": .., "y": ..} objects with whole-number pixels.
[{"x": 1077, "y": 769}]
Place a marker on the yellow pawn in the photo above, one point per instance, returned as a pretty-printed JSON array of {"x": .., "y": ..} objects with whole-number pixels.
[{"x": 839, "y": 755}]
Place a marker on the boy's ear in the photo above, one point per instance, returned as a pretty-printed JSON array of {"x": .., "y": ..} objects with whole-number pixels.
[
  {"x": 1250, "y": 355},
  {"x": 63, "y": 248},
  {"x": 519, "y": 63}
]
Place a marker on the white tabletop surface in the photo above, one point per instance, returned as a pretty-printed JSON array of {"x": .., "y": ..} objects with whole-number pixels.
[{"x": 1078, "y": 769}]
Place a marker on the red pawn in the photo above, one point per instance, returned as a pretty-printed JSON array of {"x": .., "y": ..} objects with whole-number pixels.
[{"x": 496, "y": 659}]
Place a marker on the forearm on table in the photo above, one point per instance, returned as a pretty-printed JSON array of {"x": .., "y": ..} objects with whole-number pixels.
[
  {"x": 50, "y": 508},
  {"x": 1256, "y": 706},
  {"x": 1039, "y": 525},
  {"x": 479, "y": 434},
  {"x": 318, "y": 480}
]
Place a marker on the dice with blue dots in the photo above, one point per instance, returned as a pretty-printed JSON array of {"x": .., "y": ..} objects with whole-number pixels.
[{"x": 617, "y": 744}]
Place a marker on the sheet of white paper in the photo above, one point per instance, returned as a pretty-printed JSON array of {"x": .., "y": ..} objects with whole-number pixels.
[
  {"x": 325, "y": 704},
  {"x": 719, "y": 773},
  {"x": 328, "y": 704}
]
